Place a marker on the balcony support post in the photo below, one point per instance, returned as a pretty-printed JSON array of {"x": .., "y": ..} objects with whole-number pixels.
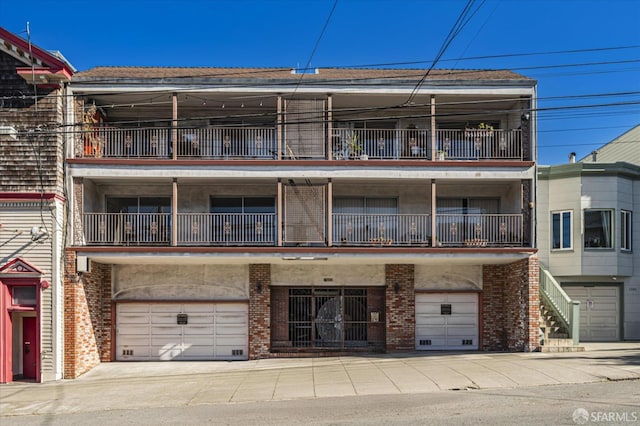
[
  {"x": 174, "y": 213},
  {"x": 433, "y": 128},
  {"x": 330, "y": 213},
  {"x": 329, "y": 131},
  {"x": 279, "y": 208},
  {"x": 279, "y": 130},
  {"x": 174, "y": 126},
  {"x": 434, "y": 237}
]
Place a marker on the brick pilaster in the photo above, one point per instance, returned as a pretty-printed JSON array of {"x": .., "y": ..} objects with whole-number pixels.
[
  {"x": 259, "y": 311},
  {"x": 400, "y": 308}
]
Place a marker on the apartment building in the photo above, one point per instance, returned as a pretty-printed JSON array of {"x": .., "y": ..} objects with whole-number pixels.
[
  {"x": 244, "y": 213},
  {"x": 589, "y": 236},
  {"x": 33, "y": 99}
]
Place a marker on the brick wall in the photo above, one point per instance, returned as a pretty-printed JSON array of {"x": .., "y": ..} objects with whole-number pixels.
[
  {"x": 259, "y": 311},
  {"x": 510, "y": 306},
  {"x": 400, "y": 308},
  {"x": 87, "y": 317}
]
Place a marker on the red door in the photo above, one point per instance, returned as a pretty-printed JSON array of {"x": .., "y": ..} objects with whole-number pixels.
[{"x": 29, "y": 347}]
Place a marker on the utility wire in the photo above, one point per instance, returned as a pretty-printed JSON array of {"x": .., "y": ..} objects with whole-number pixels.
[{"x": 453, "y": 33}]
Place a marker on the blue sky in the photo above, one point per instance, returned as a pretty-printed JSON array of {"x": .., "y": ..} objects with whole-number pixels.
[{"x": 586, "y": 98}]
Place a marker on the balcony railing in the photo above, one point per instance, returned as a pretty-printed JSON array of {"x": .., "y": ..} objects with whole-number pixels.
[
  {"x": 251, "y": 229},
  {"x": 127, "y": 228},
  {"x": 382, "y": 229},
  {"x": 260, "y": 229},
  {"x": 479, "y": 230},
  {"x": 261, "y": 143}
]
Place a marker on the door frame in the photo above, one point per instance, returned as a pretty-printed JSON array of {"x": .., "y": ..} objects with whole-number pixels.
[
  {"x": 18, "y": 273},
  {"x": 9, "y": 312}
]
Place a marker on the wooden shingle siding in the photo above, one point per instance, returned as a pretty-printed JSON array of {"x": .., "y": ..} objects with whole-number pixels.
[{"x": 33, "y": 161}]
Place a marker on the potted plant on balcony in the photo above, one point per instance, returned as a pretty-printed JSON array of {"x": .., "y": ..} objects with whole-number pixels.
[
  {"x": 353, "y": 148},
  {"x": 483, "y": 130}
]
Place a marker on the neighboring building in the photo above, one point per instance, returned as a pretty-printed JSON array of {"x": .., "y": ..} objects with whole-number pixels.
[
  {"x": 223, "y": 213},
  {"x": 33, "y": 99},
  {"x": 589, "y": 236}
]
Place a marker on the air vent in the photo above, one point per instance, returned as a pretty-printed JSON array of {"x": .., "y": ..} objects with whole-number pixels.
[
  {"x": 467, "y": 341},
  {"x": 236, "y": 352},
  {"x": 127, "y": 352},
  {"x": 425, "y": 342}
]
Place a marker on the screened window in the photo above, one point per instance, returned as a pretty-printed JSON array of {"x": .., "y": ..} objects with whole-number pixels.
[
  {"x": 598, "y": 229},
  {"x": 561, "y": 230},
  {"x": 625, "y": 230}
]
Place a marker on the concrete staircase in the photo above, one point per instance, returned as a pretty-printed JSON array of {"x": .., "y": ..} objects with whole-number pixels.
[{"x": 554, "y": 334}]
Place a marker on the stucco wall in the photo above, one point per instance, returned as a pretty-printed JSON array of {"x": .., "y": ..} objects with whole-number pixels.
[
  {"x": 180, "y": 282},
  {"x": 316, "y": 275},
  {"x": 448, "y": 277}
]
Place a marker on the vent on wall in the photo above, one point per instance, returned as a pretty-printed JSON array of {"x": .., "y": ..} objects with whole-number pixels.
[
  {"x": 236, "y": 352},
  {"x": 127, "y": 352},
  {"x": 467, "y": 341},
  {"x": 425, "y": 342}
]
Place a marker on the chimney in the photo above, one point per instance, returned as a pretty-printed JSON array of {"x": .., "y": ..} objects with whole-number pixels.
[
  {"x": 594, "y": 156},
  {"x": 572, "y": 157}
]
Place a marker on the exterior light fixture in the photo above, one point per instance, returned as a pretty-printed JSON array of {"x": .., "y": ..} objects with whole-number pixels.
[{"x": 396, "y": 287}]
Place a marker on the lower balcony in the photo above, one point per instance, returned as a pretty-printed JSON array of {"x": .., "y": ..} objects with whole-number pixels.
[{"x": 261, "y": 229}]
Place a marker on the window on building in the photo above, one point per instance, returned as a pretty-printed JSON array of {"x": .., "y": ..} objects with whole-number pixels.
[
  {"x": 24, "y": 295},
  {"x": 625, "y": 230},
  {"x": 359, "y": 220},
  {"x": 141, "y": 220},
  {"x": 561, "y": 237},
  {"x": 243, "y": 220},
  {"x": 598, "y": 229}
]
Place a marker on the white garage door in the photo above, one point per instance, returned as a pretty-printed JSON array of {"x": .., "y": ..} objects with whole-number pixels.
[
  {"x": 446, "y": 321},
  {"x": 599, "y": 312},
  {"x": 188, "y": 331}
]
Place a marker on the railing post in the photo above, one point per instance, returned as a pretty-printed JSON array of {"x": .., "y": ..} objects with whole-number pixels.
[{"x": 575, "y": 321}]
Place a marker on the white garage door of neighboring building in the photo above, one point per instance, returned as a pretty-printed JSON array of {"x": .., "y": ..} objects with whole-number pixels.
[
  {"x": 599, "y": 312},
  {"x": 181, "y": 331},
  {"x": 446, "y": 321}
]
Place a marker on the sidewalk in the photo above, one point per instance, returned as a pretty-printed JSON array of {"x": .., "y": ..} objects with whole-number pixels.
[{"x": 134, "y": 385}]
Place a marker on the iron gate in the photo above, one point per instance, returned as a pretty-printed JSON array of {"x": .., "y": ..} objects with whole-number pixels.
[{"x": 329, "y": 318}]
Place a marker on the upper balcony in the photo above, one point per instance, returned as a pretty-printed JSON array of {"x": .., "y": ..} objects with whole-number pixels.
[
  {"x": 246, "y": 143},
  {"x": 277, "y": 115}
]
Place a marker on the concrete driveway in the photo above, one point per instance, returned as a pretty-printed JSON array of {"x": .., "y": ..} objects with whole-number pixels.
[{"x": 132, "y": 385}]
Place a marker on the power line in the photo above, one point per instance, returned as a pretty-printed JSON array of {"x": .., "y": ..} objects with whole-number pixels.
[
  {"x": 455, "y": 30},
  {"x": 315, "y": 46}
]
